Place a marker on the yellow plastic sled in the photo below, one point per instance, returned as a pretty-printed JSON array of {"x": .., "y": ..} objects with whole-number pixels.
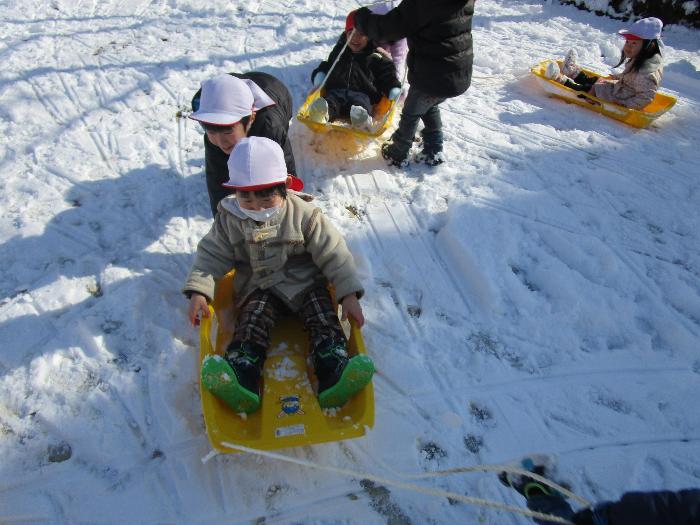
[
  {"x": 289, "y": 414},
  {"x": 638, "y": 118},
  {"x": 383, "y": 115}
]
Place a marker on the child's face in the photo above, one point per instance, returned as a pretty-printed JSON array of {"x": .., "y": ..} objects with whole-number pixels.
[
  {"x": 249, "y": 201},
  {"x": 227, "y": 138},
  {"x": 632, "y": 48},
  {"x": 358, "y": 41}
]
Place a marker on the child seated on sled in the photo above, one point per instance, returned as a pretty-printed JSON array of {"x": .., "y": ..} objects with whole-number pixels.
[
  {"x": 362, "y": 75},
  {"x": 636, "y": 86},
  {"x": 285, "y": 252}
]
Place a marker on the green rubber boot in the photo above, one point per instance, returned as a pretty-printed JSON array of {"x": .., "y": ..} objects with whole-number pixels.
[
  {"x": 234, "y": 380},
  {"x": 340, "y": 378}
]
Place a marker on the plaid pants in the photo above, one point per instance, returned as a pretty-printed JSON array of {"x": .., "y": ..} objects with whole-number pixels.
[{"x": 258, "y": 315}]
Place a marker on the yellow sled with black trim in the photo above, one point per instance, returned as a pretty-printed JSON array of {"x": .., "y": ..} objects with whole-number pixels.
[
  {"x": 641, "y": 118},
  {"x": 289, "y": 414},
  {"x": 382, "y": 115}
]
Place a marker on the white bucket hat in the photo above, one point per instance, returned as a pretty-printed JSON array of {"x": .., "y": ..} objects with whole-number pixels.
[
  {"x": 646, "y": 29},
  {"x": 257, "y": 163}
]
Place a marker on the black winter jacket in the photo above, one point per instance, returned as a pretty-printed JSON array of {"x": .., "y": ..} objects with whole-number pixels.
[
  {"x": 439, "y": 39},
  {"x": 271, "y": 122},
  {"x": 649, "y": 508},
  {"x": 367, "y": 71}
]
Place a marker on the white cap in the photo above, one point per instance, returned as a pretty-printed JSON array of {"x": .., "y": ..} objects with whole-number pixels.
[
  {"x": 225, "y": 100},
  {"x": 646, "y": 29},
  {"x": 257, "y": 163}
]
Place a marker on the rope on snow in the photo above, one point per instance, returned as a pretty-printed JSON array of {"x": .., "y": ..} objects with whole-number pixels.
[{"x": 432, "y": 491}]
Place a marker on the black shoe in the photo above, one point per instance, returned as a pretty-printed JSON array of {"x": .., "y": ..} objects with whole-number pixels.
[
  {"x": 339, "y": 378},
  {"x": 246, "y": 360},
  {"x": 329, "y": 359},
  {"x": 392, "y": 157}
]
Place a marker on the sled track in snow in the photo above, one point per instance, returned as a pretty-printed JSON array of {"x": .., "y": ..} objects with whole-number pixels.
[{"x": 497, "y": 127}]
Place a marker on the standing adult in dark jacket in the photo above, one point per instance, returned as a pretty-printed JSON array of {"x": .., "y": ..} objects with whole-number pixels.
[
  {"x": 439, "y": 66},
  {"x": 230, "y": 107}
]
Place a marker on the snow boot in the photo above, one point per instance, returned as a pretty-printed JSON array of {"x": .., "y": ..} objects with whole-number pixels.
[
  {"x": 359, "y": 118},
  {"x": 339, "y": 378},
  {"x": 318, "y": 110},
  {"x": 235, "y": 378},
  {"x": 570, "y": 67},
  {"x": 552, "y": 71},
  {"x": 431, "y": 157},
  {"x": 392, "y": 158},
  {"x": 537, "y": 464}
]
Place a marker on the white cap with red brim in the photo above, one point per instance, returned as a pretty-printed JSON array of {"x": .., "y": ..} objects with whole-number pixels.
[
  {"x": 257, "y": 163},
  {"x": 646, "y": 29}
]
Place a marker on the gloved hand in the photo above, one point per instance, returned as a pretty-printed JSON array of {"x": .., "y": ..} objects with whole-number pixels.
[
  {"x": 394, "y": 93},
  {"x": 319, "y": 78}
]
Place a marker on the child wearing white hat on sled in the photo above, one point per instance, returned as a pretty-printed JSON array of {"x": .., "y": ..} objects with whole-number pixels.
[
  {"x": 638, "y": 83},
  {"x": 285, "y": 253}
]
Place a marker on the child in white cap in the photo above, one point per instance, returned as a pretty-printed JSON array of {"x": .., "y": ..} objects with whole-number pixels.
[
  {"x": 230, "y": 107},
  {"x": 638, "y": 83},
  {"x": 285, "y": 252}
]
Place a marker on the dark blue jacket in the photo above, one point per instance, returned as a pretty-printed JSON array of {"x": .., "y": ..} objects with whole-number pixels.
[{"x": 647, "y": 508}]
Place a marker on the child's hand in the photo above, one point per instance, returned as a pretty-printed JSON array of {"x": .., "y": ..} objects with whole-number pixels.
[
  {"x": 394, "y": 93},
  {"x": 198, "y": 307},
  {"x": 352, "y": 308}
]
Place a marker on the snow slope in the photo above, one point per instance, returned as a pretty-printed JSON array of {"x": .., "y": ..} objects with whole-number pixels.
[{"x": 539, "y": 293}]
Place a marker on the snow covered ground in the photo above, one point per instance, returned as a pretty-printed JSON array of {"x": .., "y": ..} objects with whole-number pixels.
[{"x": 539, "y": 293}]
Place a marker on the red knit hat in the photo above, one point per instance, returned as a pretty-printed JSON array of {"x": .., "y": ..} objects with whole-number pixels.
[{"x": 350, "y": 22}]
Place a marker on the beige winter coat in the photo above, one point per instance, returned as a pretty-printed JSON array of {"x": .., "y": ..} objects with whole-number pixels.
[
  {"x": 632, "y": 89},
  {"x": 292, "y": 253}
]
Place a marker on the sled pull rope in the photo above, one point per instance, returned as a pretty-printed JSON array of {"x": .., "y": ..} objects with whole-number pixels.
[
  {"x": 429, "y": 490},
  {"x": 335, "y": 62}
]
